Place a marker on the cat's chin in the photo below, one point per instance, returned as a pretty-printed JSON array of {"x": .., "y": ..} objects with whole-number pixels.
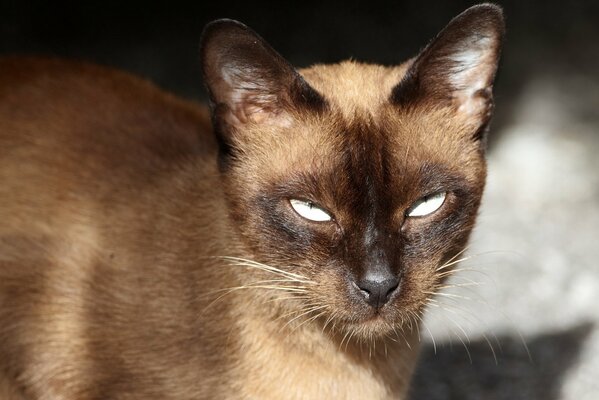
[{"x": 374, "y": 327}]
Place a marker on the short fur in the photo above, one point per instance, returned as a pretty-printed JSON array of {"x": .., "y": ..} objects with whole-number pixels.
[{"x": 148, "y": 250}]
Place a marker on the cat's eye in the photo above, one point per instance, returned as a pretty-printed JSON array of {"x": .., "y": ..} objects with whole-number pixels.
[
  {"x": 427, "y": 205},
  {"x": 309, "y": 210}
]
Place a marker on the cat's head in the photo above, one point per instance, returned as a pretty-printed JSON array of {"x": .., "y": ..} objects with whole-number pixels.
[{"x": 353, "y": 185}]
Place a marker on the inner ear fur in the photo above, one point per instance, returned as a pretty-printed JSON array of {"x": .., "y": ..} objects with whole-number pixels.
[
  {"x": 247, "y": 80},
  {"x": 458, "y": 67}
]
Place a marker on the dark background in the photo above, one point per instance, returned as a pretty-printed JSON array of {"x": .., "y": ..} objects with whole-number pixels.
[
  {"x": 159, "y": 40},
  {"x": 552, "y": 42}
]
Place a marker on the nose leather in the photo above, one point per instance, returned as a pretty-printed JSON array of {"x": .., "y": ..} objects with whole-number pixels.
[{"x": 378, "y": 288}]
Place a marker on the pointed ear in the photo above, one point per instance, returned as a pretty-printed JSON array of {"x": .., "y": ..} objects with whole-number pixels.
[
  {"x": 248, "y": 81},
  {"x": 458, "y": 67}
]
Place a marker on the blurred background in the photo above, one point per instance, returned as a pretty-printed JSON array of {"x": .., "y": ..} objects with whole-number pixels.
[{"x": 523, "y": 319}]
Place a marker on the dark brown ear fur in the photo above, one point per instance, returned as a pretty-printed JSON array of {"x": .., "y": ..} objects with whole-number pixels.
[
  {"x": 458, "y": 67},
  {"x": 248, "y": 81}
]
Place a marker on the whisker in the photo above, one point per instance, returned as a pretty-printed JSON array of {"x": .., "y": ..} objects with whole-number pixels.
[
  {"x": 456, "y": 255},
  {"x": 491, "y": 347},
  {"x": 349, "y": 339},
  {"x": 277, "y": 287},
  {"x": 459, "y": 285},
  {"x": 464, "y": 278},
  {"x": 251, "y": 263},
  {"x": 290, "y": 289},
  {"x": 310, "y": 310},
  {"x": 274, "y": 271},
  {"x": 328, "y": 321},
  {"x": 457, "y": 325},
  {"x": 414, "y": 315},
  {"x": 258, "y": 285},
  {"x": 342, "y": 340},
  {"x": 308, "y": 320},
  {"x": 286, "y": 315},
  {"x": 465, "y": 347},
  {"x": 518, "y": 332},
  {"x": 430, "y": 334},
  {"x": 295, "y": 297},
  {"x": 450, "y": 295},
  {"x": 401, "y": 334},
  {"x": 453, "y": 261},
  {"x": 457, "y": 335},
  {"x": 454, "y": 310},
  {"x": 449, "y": 264},
  {"x": 388, "y": 336}
]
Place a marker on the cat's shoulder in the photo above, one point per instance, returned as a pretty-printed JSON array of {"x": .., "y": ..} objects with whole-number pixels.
[{"x": 77, "y": 101}]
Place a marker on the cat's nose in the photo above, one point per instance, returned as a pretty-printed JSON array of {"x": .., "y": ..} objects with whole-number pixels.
[{"x": 377, "y": 290}]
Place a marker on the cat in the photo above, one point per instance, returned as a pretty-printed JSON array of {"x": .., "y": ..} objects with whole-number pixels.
[{"x": 282, "y": 244}]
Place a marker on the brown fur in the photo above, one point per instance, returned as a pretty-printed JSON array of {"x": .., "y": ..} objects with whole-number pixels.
[{"x": 117, "y": 205}]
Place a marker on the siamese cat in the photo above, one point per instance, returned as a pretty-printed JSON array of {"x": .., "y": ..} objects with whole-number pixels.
[{"x": 282, "y": 244}]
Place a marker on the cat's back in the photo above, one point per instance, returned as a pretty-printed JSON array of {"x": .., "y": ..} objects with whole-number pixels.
[
  {"x": 94, "y": 156},
  {"x": 68, "y": 107},
  {"x": 73, "y": 132}
]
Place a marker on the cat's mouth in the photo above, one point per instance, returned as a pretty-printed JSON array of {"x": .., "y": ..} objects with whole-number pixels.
[
  {"x": 372, "y": 327},
  {"x": 371, "y": 323}
]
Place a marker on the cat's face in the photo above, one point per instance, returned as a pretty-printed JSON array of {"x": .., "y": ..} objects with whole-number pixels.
[{"x": 354, "y": 184}]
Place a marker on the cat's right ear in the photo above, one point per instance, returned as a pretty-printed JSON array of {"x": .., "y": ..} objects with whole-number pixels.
[
  {"x": 458, "y": 67},
  {"x": 248, "y": 81}
]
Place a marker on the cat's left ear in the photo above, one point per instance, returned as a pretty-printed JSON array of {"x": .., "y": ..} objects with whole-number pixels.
[
  {"x": 458, "y": 67},
  {"x": 247, "y": 80}
]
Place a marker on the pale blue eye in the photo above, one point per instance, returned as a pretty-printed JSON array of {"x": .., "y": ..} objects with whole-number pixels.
[
  {"x": 427, "y": 205},
  {"x": 308, "y": 210}
]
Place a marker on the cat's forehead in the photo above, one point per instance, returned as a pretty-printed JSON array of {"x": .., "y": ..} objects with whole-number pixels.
[
  {"x": 355, "y": 88},
  {"x": 363, "y": 120},
  {"x": 362, "y": 130}
]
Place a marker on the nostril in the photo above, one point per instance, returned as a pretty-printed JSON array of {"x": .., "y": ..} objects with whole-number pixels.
[
  {"x": 392, "y": 288},
  {"x": 377, "y": 292},
  {"x": 363, "y": 291}
]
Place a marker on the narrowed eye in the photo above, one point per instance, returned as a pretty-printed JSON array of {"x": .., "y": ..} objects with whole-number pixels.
[
  {"x": 427, "y": 205},
  {"x": 309, "y": 210}
]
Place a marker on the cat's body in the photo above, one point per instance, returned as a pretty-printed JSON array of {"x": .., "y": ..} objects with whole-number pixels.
[
  {"x": 126, "y": 228},
  {"x": 68, "y": 243}
]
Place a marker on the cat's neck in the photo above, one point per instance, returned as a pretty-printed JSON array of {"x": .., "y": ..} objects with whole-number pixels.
[{"x": 271, "y": 348}]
